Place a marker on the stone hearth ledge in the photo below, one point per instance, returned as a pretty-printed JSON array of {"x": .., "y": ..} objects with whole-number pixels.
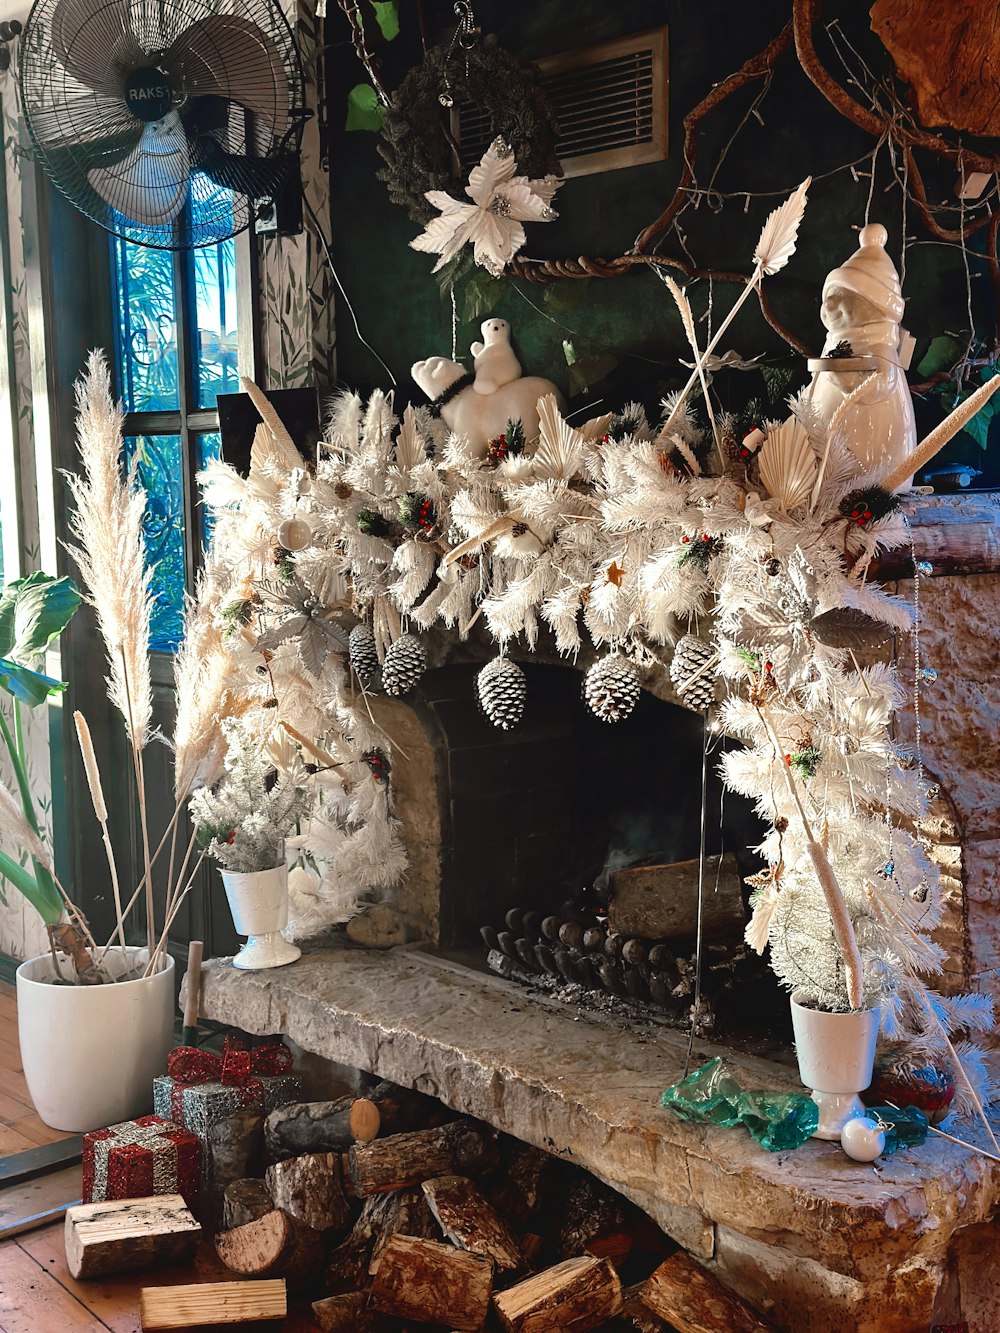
[{"x": 826, "y": 1245}]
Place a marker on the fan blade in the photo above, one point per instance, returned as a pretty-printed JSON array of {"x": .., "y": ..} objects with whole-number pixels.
[
  {"x": 150, "y": 185},
  {"x": 94, "y": 41},
  {"x": 206, "y": 122},
  {"x": 230, "y": 57}
]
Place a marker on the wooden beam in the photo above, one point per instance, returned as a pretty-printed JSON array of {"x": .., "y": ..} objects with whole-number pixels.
[{"x": 212, "y": 1304}]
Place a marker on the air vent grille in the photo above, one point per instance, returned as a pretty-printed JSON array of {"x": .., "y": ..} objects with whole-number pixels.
[{"x": 610, "y": 101}]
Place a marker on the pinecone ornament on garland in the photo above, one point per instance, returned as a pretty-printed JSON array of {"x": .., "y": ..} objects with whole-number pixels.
[
  {"x": 362, "y": 653},
  {"x": 611, "y": 688},
  {"x": 502, "y": 689},
  {"x": 692, "y": 673},
  {"x": 403, "y": 665}
]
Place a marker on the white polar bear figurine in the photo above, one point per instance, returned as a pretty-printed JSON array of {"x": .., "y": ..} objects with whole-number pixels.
[
  {"x": 494, "y": 360},
  {"x": 478, "y": 413}
]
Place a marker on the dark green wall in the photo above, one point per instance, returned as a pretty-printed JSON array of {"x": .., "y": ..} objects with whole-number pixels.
[{"x": 397, "y": 301}]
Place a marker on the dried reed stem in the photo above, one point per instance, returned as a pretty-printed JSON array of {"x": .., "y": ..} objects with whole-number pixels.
[{"x": 93, "y": 772}]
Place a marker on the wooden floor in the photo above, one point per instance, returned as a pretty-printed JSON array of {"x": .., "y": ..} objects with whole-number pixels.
[
  {"x": 37, "y": 1294},
  {"x": 20, "y": 1127}
]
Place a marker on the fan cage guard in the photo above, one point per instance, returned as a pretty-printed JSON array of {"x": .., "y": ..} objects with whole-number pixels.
[{"x": 75, "y": 59}]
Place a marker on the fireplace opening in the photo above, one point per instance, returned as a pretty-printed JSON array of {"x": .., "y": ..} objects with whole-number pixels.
[{"x": 508, "y": 832}]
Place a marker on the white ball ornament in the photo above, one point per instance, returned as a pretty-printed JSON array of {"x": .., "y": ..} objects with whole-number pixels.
[
  {"x": 295, "y": 534},
  {"x": 862, "y": 1139}
]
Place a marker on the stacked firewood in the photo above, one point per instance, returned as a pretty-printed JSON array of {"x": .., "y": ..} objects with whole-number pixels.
[{"x": 399, "y": 1216}]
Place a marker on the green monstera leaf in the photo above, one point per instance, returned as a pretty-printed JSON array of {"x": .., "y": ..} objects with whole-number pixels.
[{"x": 34, "y": 611}]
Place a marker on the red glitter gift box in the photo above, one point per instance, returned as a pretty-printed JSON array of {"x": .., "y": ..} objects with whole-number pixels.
[{"x": 141, "y": 1157}]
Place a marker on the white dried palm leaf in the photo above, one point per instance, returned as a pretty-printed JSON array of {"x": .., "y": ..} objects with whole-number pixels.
[
  {"x": 222, "y": 487},
  {"x": 597, "y": 427},
  {"x": 279, "y": 451},
  {"x": 787, "y": 464},
  {"x": 560, "y": 451},
  {"x": 777, "y": 239},
  {"x": 758, "y": 928},
  {"x": 410, "y": 448},
  {"x": 108, "y": 525}
]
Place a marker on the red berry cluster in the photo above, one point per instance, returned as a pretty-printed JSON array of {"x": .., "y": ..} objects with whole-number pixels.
[
  {"x": 497, "y": 449},
  {"x": 425, "y": 515},
  {"x": 860, "y": 514},
  {"x": 231, "y": 836},
  {"x": 379, "y": 764}
]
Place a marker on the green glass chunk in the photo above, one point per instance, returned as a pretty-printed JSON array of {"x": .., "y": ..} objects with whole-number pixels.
[
  {"x": 905, "y": 1126},
  {"x": 712, "y": 1095}
]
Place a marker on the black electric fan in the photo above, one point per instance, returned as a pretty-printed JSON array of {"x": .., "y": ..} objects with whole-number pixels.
[{"x": 163, "y": 120}]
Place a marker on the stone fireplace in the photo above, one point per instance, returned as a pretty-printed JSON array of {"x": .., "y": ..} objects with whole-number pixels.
[
  {"x": 535, "y": 816},
  {"x": 822, "y": 1244}
]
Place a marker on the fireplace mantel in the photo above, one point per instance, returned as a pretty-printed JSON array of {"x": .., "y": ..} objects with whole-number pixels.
[{"x": 828, "y": 1245}]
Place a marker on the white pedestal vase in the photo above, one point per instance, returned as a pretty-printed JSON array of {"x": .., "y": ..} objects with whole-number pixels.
[
  {"x": 90, "y": 1053},
  {"x": 836, "y": 1053},
  {"x": 258, "y": 901}
]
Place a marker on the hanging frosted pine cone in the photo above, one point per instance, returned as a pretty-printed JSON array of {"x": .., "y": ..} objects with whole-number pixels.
[
  {"x": 502, "y": 689},
  {"x": 691, "y": 659},
  {"x": 362, "y": 653},
  {"x": 403, "y": 665},
  {"x": 611, "y": 688}
]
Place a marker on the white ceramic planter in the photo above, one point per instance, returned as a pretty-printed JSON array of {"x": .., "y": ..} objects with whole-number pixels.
[
  {"x": 258, "y": 901},
  {"x": 836, "y": 1053},
  {"x": 90, "y": 1053}
]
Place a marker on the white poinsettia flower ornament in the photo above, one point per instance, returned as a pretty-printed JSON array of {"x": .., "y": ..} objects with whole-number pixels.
[{"x": 492, "y": 222}]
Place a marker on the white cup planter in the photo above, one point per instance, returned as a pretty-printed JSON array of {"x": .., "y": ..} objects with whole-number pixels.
[
  {"x": 836, "y": 1054},
  {"x": 90, "y": 1053},
  {"x": 258, "y": 901}
]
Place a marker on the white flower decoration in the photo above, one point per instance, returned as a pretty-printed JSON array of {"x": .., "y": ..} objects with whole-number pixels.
[{"x": 492, "y": 222}]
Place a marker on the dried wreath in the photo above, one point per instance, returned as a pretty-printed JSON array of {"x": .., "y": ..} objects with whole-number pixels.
[{"x": 417, "y": 144}]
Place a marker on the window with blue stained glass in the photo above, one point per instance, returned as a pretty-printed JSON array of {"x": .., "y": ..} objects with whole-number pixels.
[
  {"x": 209, "y": 447},
  {"x": 215, "y": 349},
  {"x": 160, "y": 472},
  {"x": 146, "y": 327}
]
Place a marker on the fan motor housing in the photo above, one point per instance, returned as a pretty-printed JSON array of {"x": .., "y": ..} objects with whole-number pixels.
[{"x": 148, "y": 94}]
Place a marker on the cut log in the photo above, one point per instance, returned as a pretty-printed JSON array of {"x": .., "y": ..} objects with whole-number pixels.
[
  {"x": 639, "y": 1315},
  {"x": 315, "y": 1127},
  {"x": 469, "y": 1222},
  {"x": 405, "y": 1213},
  {"x": 382, "y": 1215},
  {"x": 461, "y": 1148},
  {"x": 350, "y": 1313},
  {"x": 578, "y": 1294},
  {"x": 210, "y": 1304},
  {"x": 661, "y": 902},
  {"x": 403, "y": 1109},
  {"x": 433, "y": 1283},
  {"x": 691, "y": 1300},
  {"x": 244, "y": 1201},
  {"x": 123, "y": 1234},
  {"x": 589, "y": 1212},
  {"x": 309, "y": 1188},
  {"x": 518, "y": 1184},
  {"x": 275, "y": 1245}
]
